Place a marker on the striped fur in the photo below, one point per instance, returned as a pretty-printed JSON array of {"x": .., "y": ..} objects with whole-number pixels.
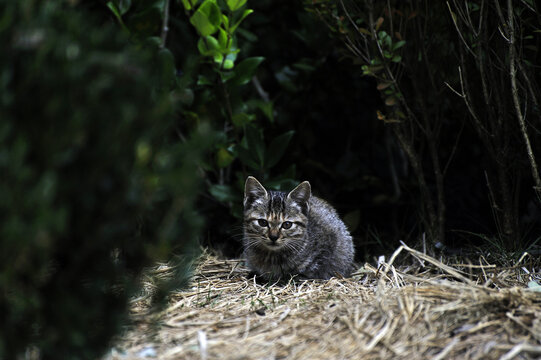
[{"x": 293, "y": 233}]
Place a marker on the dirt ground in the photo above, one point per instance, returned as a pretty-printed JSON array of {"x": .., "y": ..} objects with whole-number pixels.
[{"x": 424, "y": 310}]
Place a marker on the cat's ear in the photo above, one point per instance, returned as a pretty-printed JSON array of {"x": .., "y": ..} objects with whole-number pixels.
[
  {"x": 253, "y": 190},
  {"x": 301, "y": 194}
]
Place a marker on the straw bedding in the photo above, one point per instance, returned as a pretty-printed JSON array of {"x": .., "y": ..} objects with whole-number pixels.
[{"x": 424, "y": 310}]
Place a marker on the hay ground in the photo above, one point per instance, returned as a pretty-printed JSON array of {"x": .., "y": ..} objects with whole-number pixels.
[{"x": 427, "y": 310}]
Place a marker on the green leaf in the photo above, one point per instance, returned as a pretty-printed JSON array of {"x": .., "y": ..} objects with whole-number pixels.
[
  {"x": 247, "y": 157},
  {"x": 228, "y": 64},
  {"x": 277, "y": 148},
  {"x": 245, "y": 70},
  {"x": 398, "y": 44},
  {"x": 167, "y": 66},
  {"x": 248, "y": 35},
  {"x": 225, "y": 21},
  {"x": 154, "y": 42},
  {"x": 223, "y": 193},
  {"x": 123, "y": 6},
  {"x": 244, "y": 15},
  {"x": 267, "y": 108},
  {"x": 225, "y": 63},
  {"x": 143, "y": 152},
  {"x": 208, "y": 46},
  {"x": 256, "y": 144},
  {"x": 218, "y": 59},
  {"x": 235, "y": 4},
  {"x": 114, "y": 10},
  {"x": 147, "y": 22},
  {"x": 207, "y": 18},
  {"x": 189, "y": 4},
  {"x": 203, "y": 80},
  {"x": 224, "y": 41},
  {"x": 242, "y": 119},
  {"x": 224, "y": 158},
  {"x": 396, "y": 58}
]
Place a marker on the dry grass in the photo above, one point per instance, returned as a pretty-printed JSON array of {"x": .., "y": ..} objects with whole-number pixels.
[{"x": 427, "y": 310}]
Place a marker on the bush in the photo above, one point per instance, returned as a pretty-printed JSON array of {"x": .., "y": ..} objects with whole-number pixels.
[
  {"x": 457, "y": 93},
  {"x": 88, "y": 176}
]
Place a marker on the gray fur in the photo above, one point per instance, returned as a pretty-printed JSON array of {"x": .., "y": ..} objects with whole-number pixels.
[{"x": 294, "y": 233}]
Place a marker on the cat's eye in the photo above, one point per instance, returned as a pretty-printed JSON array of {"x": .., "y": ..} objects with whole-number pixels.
[
  {"x": 287, "y": 224},
  {"x": 262, "y": 222}
]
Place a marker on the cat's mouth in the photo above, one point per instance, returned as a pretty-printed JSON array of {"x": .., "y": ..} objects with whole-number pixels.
[{"x": 273, "y": 245}]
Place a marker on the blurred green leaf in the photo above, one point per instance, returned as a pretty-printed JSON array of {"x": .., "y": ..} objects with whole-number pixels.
[
  {"x": 208, "y": 46},
  {"x": 189, "y": 4},
  {"x": 224, "y": 158},
  {"x": 242, "y": 119},
  {"x": 228, "y": 64},
  {"x": 146, "y": 22},
  {"x": 255, "y": 142},
  {"x": 114, "y": 9},
  {"x": 235, "y": 4},
  {"x": 218, "y": 59},
  {"x": 223, "y": 41},
  {"x": 204, "y": 80},
  {"x": 223, "y": 193},
  {"x": 143, "y": 152},
  {"x": 167, "y": 66},
  {"x": 123, "y": 6},
  {"x": 225, "y": 21},
  {"x": 247, "y": 157},
  {"x": 245, "y": 70},
  {"x": 277, "y": 148},
  {"x": 267, "y": 108},
  {"x": 287, "y": 78},
  {"x": 398, "y": 44},
  {"x": 207, "y": 18},
  {"x": 244, "y": 15},
  {"x": 126, "y": 215}
]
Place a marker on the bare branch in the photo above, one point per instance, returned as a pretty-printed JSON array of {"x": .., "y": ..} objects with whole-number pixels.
[
  {"x": 516, "y": 100},
  {"x": 453, "y": 90},
  {"x": 453, "y": 17}
]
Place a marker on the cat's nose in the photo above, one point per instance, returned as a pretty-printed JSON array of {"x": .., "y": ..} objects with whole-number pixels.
[{"x": 273, "y": 236}]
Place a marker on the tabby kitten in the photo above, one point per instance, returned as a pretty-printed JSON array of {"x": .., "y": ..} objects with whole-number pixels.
[{"x": 293, "y": 233}]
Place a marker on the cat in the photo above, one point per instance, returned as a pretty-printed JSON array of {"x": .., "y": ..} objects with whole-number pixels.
[{"x": 293, "y": 234}]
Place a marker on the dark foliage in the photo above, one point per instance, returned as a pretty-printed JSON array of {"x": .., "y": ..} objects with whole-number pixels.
[{"x": 93, "y": 190}]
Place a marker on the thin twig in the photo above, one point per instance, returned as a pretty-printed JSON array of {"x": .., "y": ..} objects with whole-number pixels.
[
  {"x": 165, "y": 25},
  {"x": 453, "y": 17}
]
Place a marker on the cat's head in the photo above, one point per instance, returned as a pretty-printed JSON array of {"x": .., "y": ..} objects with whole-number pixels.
[{"x": 275, "y": 219}]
